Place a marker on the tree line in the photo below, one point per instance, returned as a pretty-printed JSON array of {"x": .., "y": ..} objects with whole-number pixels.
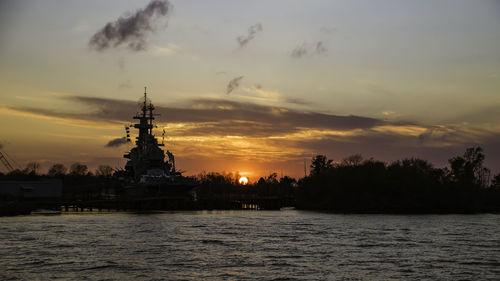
[
  {"x": 58, "y": 170},
  {"x": 409, "y": 185},
  {"x": 353, "y": 184}
]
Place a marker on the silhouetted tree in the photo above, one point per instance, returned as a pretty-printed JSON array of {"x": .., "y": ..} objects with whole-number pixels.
[
  {"x": 261, "y": 181},
  {"x": 218, "y": 184},
  {"x": 495, "y": 183},
  {"x": 104, "y": 171},
  {"x": 320, "y": 164},
  {"x": 353, "y": 160},
  {"x": 78, "y": 169},
  {"x": 408, "y": 185},
  {"x": 57, "y": 170},
  {"x": 272, "y": 178},
  {"x": 16, "y": 173},
  {"x": 288, "y": 186},
  {"x": 468, "y": 170},
  {"x": 32, "y": 168},
  {"x": 415, "y": 170},
  {"x": 286, "y": 180},
  {"x": 268, "y": 186}
]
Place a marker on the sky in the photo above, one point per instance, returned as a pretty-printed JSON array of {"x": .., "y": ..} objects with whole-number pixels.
[{"x": 251, "y": 86}]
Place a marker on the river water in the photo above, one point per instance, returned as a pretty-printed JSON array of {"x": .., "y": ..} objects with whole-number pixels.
[{"x": 250, "y": 245}]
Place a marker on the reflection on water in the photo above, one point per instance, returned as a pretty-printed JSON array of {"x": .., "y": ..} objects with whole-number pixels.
[{"x": 250, "y": 245}]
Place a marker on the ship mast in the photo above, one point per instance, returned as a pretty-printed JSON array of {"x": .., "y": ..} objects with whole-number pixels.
[
  {"x": 147, "y": 155},
  {"x": 145, "y": 124}
]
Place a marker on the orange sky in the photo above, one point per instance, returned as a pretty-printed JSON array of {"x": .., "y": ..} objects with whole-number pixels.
[{"x": 238, "y": 91}]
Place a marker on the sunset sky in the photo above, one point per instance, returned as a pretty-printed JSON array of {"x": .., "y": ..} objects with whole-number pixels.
[{"x": 387, "y": 79}]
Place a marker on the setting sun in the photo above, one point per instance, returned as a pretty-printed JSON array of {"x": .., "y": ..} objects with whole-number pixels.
[{"x": 243, "y": 181}]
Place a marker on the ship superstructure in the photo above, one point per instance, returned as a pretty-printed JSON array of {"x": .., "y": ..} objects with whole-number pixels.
[{"x": 147, "y": 161}]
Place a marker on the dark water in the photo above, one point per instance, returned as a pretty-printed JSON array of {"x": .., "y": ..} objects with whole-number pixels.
[{"x": 250, "y": 245}]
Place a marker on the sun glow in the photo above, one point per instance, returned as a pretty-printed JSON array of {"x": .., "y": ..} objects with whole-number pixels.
[{"x": 243, "y": 180}]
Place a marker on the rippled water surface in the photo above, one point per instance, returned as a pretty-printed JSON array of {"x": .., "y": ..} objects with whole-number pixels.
[{"x": 250, "y": 245}]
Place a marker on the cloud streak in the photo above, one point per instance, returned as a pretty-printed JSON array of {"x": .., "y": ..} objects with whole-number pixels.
[
  {"x": 299, "y": 51},
  {"x": 217, "y": 113},
  {"x": 320, "y": 48},
  {"x": 117, "y": 142},
  {"x": 233, "y": 84},
  {"x": 228, "y": 129},
  {"x": 220, "y": 117},
  {"x": 252, "y": 31},
  {"x": 305, "y": 49},
  {"x": 132, "y": 30}
]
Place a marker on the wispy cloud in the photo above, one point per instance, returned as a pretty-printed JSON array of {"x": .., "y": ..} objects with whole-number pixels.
[
  {"x": 167, "y": 50},
  {"x": 252, "y": 31},
  {"x": 233, "y": 84},
  {"x": 214, "y": 112},
  {"x": 259, "y": 93},
  {"x": 298, "y": 101},
  {"x": 131, "y": 30},
  {"x": 305, "y": 49},
  {"x": 225, "y": 127},
  {"x": 299, "y": 51},
  {"x": 228, "y": 129},
  {"x": 117, "y": 142},
  {"x": 320, "y": 48}
]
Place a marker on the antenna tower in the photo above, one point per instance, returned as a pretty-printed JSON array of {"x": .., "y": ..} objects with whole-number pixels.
[{"x": 6, "y": 162}]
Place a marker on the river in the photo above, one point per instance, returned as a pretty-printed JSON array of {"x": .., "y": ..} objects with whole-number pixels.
[{"x": 250, "y": 245}]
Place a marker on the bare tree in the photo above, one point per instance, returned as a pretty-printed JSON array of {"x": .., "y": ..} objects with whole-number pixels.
[
  {"x": 320, "y": 164},
  {"x": 32, "y": 168},
  {"x": 104, "y": 171},
  {"x": 57, "y": 170},
  {"x": 353, "y": 160},
  {"x": 78, "y": 169}
]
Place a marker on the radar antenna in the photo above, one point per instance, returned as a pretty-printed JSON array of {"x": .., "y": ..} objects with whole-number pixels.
[{"x": 127, "y": 130}]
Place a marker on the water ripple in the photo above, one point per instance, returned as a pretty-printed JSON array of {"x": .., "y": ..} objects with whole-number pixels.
[{"x": 250, "y": 245}]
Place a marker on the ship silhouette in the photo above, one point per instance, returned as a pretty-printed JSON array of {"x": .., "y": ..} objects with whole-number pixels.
[{"x": 150, "y": 170}]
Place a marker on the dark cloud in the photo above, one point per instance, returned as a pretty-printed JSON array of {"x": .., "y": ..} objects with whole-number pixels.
[
  {"x": 130, "y": 30},
  {"x": 320, "y": 48},
  {"x": 211, "y": 110},
  {"x": 390, "y": 147},
  {"x": 298, "y": 101},
  {"x": 252, "y": 30},
  {"x": 429, "y": 135},
  {"x": 304, "y": 49},
  {"x": 117, "y": 142},
  {"x": 299, "y": 51},
  {"x": 233, "y": 84},
  {"x": 479, "y": 116},
  {"x": 219, "y": 115},
  {"x": 103, "y": 110}
]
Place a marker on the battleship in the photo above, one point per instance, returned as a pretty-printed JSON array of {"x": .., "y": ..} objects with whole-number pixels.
[
  {"x": 149, "y": 181},
  {"x": 149, "y": 169}
]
